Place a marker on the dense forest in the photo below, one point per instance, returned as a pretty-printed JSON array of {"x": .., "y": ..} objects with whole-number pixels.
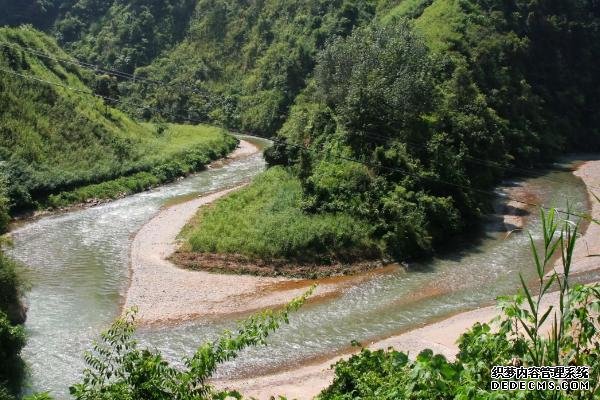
[
  {"x": 121, "y": 34},
  {"x": 400, "y": 115}
]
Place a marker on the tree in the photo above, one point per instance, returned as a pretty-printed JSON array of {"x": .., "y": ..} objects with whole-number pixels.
[
  {"x": 119, "y": 370},
  {"x": 4, "y": 203}
]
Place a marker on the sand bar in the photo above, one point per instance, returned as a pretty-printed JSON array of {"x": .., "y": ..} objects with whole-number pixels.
[
  {"x": 165, "y": 293},
  {"x": 309, "y": 380}
]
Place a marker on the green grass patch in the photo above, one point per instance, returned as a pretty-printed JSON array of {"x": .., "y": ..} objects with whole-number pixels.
[
  {"x": 179, "y": 151},
  {"x": 442, "y": 24},
  {"x": 265, "y": 221},
  {"x": 406, "y": 9}
]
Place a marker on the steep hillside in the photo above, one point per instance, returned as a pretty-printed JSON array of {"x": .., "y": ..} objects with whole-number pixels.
[
  {"x": 116, "y": 34},
  {"x": 238, "y": 63},
  {"x": 243, "y": 62},
  {"x": 57, "y": 136},
  {"x": 408, "y": 123}
]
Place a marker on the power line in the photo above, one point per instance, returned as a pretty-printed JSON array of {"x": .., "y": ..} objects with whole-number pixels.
[
  {"x": 285, "y": 143},
  {"x": 97, "y": 69},
  {"x": 128, "y": 76}
]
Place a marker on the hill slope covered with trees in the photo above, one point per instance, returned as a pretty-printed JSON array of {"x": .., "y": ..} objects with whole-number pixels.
[
  {"x": 408, "y": 123},
  {"x": 58, "y": 137}
]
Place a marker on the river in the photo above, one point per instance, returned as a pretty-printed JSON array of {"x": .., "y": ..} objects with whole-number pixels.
[{"x": 77, "y": 264}]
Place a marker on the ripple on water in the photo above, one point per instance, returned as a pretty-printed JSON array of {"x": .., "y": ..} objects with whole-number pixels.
[{"x": 79, "y": 267}]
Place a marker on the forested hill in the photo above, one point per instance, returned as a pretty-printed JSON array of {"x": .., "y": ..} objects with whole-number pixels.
[
  {"x": 120, "y": 34},
  {"x": 57, "y": 136},
  {"x": 246, "y": 60},
  {"x": 437, "y": 106},
  {"x": 243, "y": 63},
  {"x": 408, "y": 122},
  {"x": 398, "y": 113}
]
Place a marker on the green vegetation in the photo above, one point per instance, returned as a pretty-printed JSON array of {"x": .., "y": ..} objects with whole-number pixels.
[
  {"x": 393, "y": 120},
  {"x": 237, "y": 63},
  {"x": 12, "y": 333},
  {"x": 270, "y": 223},
  {"x": 179, "y": 151},
  {"x": 119, "y": 370},
  {"x": 55, "y": 140},
  {"x": 407, "y": 124},
  {"x": 122, "y": 35},
  {"x": 243, "y": 62},
  {"x": 516, "y": 338},
  {"x": 113, "y": 33},
  {"x": 12, "y": 315},
  {"x": 4, "y": 204}
]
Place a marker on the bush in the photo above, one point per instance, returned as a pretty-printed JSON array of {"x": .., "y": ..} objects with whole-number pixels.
[
  {"x": 12, "y": 314},
  {"x": 4, "y": 203},
  {"x": 516, "y": 338},
  {"x": 119, "y": 370},
  {"x": 12, "y": 340}
]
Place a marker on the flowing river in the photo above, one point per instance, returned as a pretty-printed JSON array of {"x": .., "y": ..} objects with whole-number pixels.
[{"x": 78, "y": 268}]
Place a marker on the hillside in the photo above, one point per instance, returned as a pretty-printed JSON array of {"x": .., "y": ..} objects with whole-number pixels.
[
  {"x": 242, "y": 63},
  {"x": 399, "y": 114},
  {"x": 408, "y": 123},
  {"x": 122, "y": 35},
  {"x": 236, "y": 63},
  {"x": 57, "y": 136}
]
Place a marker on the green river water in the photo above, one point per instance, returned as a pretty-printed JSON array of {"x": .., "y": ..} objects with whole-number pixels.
[{"x": 78, "y": 267}]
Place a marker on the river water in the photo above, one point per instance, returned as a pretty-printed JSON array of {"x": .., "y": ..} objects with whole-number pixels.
[{"x": 78, "y": 267}]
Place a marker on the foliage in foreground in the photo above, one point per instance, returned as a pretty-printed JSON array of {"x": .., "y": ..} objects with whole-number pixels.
[
  {"x": 12, "y": 333},
  {"x": 119, "y": 370},
  {"x": 270, "y": 224},
  {"x": 519, "y": 337}
]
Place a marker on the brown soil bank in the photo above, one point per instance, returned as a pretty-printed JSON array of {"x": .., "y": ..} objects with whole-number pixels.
[{"x": 237, "y": 264}]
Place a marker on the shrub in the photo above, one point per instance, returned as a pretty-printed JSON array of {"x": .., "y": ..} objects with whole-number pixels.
[
  {"x": 119, "y": 370},
  {"x": 516, "y": 338}
]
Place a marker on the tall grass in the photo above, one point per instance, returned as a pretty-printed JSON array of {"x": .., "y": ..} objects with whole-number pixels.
[
  {"x": 266, "y": 221},
  {"x": 182, "y": 150}
]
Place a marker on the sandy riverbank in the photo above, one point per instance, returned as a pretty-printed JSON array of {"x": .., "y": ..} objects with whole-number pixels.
[
  {"x": 586, "y": 255},
  {"x": 165, "y": 293},
  {"x": 308, "y": 381}
]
